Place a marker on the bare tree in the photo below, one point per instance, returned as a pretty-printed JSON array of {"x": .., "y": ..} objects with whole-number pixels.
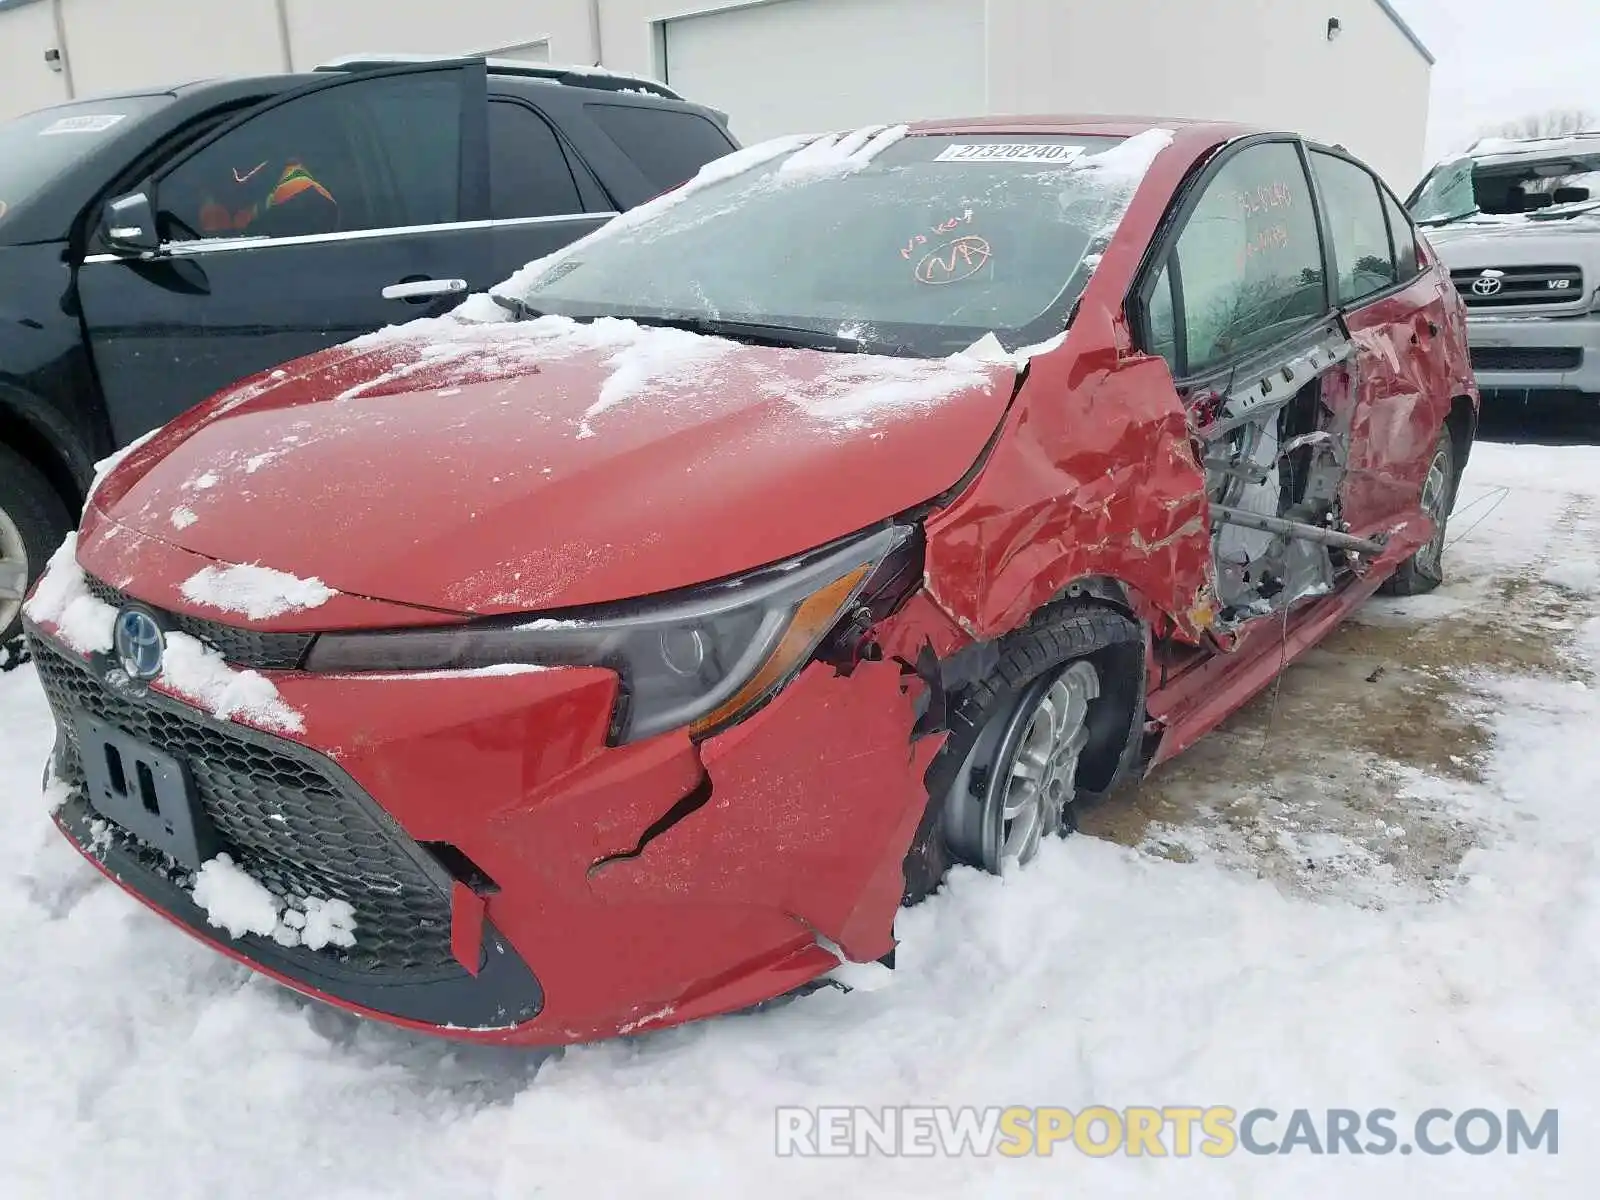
[{"x": 1557, "y": 122}]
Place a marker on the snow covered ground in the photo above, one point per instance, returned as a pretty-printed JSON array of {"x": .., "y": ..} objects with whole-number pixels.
[{"x": 1375, "y": 888}]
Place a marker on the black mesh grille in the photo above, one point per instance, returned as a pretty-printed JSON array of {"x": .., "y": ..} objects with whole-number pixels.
[
  {"x": 241, "y": 647},
  {"x": 1526, "y": 358},
  {"x": 282, "y": 819}
]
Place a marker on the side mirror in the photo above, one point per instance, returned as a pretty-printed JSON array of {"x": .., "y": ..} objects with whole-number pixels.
[{"x": 129, "y": 225}]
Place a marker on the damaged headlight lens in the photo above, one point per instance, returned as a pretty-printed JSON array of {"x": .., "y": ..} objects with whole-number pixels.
[{"x": 699, "y": 662}]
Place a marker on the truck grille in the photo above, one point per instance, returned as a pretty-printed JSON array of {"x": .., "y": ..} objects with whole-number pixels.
[
  {"x": 1513, "y": 287},
  {"x": 241, "y": 647},
  {"x": 282, "y": 817},
  {"x": 1526, "y": 358}
]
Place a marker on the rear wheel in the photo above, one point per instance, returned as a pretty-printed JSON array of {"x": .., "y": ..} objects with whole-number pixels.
[
  {"x": 33, "y": 520},
  {"x": 1051, "y": 724},
  {"x": 1424, "y": 570}
]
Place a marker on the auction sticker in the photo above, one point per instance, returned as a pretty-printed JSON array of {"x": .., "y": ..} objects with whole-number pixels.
[
  {"x": 1017, "y": 152},
  {"x": 94, "y": 124}
]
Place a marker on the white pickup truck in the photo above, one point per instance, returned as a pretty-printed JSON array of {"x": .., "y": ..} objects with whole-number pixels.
[{"x": 1518, "y": 224}]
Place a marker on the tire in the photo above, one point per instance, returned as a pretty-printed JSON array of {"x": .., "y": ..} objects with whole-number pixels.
[
  {"x": 1424, "y": 570},
  {"x": 1084, "y": 662},
  {"x": 33, "y": 521}
]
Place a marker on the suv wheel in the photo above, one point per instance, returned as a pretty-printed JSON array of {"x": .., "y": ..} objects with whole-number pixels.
[{"x": 33, "y": 520}]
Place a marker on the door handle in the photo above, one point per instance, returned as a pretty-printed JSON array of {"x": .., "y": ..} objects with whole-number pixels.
[{"x": 423, "y": 289}]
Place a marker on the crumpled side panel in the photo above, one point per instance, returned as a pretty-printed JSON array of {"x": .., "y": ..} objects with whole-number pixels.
[{"x": 1093, "y": 476}]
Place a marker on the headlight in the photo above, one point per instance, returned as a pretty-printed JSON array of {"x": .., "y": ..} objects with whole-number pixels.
[{"x": 699, "y": 662}]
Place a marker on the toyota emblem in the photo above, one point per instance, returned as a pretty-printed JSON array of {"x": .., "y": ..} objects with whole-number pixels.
[
  {"x": 1488, "y": 284},
  {"x": 139, "y": 643}
]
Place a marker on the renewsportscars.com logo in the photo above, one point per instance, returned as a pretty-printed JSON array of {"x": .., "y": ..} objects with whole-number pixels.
[{"x": 1172, "y": 1131}]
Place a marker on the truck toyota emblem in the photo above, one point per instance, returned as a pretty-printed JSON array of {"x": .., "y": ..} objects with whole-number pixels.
[
  {"x": 1488, "y": 284},
  {"x": 139, "y": 643}
]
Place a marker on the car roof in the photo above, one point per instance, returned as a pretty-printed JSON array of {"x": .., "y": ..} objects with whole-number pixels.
[
  {"x": 1510, "y": 150},
  {"x": 1082, "y": 125}
]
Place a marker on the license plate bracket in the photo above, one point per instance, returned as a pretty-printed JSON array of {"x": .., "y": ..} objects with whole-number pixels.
[{"x": 149, "y": 793}]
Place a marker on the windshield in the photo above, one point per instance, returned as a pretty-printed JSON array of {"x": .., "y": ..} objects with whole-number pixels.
[
  {"x": 1538, "y": 189},
  {"x": 36, "y": 148},
  {"x": 915, "y": 245}
]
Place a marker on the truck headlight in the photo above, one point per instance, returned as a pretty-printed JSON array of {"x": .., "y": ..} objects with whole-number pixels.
[{"x": 699, "y": 661}]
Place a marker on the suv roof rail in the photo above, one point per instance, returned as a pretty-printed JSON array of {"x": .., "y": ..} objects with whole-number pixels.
[{"x": 573, "y": 76}]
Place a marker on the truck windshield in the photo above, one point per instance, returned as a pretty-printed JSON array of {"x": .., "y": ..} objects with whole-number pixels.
[
  {"x": 1543, "y": 188},
  {"x": 922, "y": 246},
  {"x": 39, "y": 146}
]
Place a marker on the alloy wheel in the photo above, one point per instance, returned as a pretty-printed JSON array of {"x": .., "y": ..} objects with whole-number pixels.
[
  {"x": 13, "y": 570},
  {"x": 999, "y": 814},
  {"x": 1436, "y": 503}
]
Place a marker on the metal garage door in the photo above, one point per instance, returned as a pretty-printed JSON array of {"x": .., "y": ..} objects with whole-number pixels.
[{"x": 798, "y": 66}]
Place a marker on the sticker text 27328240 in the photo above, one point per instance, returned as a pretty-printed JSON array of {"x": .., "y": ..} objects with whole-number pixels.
[{"x": 1012, "y": 152}]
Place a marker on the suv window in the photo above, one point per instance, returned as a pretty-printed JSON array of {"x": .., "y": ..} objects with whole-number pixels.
[
  {"x": 528, "y": 173},
  {"x": 1408, "y": 263},
  {"x": 1360, "y": 229},
  {"x": 373, "y": 154},
  {"x": 1249, "y": 258},
  {"x": 667, "y": 145}
]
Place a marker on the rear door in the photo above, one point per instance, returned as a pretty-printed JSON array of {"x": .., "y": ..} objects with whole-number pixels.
[
  {"x": 1394, "y": 312},
  {"x": 396, "y": 227},
  {"x": 542, "y": 197}
]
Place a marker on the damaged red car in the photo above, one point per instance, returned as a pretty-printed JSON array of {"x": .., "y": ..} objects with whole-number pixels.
[{"x": 632, "y": 644}]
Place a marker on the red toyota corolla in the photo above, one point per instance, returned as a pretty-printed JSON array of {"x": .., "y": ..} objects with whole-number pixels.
[{"x": 630, "y": 645}]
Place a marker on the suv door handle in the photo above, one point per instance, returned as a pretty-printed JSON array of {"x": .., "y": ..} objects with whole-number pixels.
[{"x": 423, "y": 289}]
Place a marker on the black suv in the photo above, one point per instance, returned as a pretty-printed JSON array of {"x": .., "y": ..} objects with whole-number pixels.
[{"x": 157, "y": 247}]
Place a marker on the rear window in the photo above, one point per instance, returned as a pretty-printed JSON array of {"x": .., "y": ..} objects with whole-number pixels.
[
  {"x": 668, "y": 145},
  {"x": 37, "y": 148}
]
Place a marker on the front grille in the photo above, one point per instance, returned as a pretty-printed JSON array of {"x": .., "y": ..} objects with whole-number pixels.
[
  {"x": 241, "y": 647},
  {"x": 1526, "y": 358},
  {"x": 1514, "y": 287},
  {"x": 281, "y": 817}
]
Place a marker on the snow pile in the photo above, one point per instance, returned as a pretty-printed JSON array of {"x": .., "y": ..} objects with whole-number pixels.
[
  {"x": 182, "y": 517},
  {"x": 199, "y": 674},
  {"x": 838, "y": 154},
  {"x": 319, "y": 923},
  {"x": 647, "y": 359},
  {"x": 110, "y": 463},
  {"x": 1129, "y": 161},
  {"x": 850, "y": 393},
  {"x": 62, "y": 598},
  {"x": 235, "y": 901},
  {"x": 257, "y": 592},
  {"x": 988, "y": 349},
  {"x": 642, "y": 358}
]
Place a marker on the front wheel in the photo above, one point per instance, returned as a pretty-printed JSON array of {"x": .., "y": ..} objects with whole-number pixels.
[
  {"x": 1424, "y": 570},
  {"x": 1051, "y": 723}
]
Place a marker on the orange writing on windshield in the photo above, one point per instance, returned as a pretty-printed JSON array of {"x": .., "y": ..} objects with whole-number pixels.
[{"x": 955, "y": 261}]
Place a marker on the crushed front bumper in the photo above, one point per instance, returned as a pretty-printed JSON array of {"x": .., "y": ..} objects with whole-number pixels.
[{"x": 514, "y": 879}]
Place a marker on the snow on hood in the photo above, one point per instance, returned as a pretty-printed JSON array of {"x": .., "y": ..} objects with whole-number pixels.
[
  {"x": 501, "y": 466},
  {"x": 257, "y": 592}
]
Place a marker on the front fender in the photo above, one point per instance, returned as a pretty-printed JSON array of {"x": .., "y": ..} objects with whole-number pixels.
[{"x": 1093, "y": 477}]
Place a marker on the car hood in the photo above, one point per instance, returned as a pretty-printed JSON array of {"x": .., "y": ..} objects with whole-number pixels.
[{"x": 495, "y": 467}]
